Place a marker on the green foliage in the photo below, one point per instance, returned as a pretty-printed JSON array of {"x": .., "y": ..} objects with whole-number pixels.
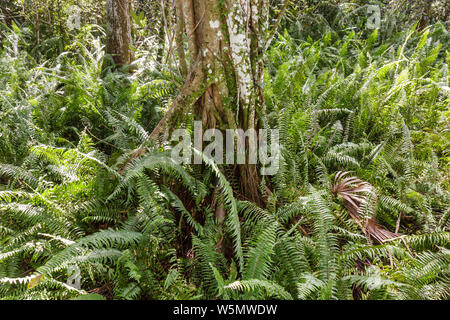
[{"x": 83, "y": 188}]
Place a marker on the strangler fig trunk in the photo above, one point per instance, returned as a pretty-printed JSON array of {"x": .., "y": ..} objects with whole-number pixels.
[{"x": 223, "y": 88}]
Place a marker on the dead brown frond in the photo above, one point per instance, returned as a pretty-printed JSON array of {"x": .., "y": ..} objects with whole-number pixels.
[{"x": 361, "y": 202}]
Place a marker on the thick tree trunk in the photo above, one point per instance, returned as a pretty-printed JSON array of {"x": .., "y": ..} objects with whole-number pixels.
[
  {"x": 224, "y": 85},
  {"x": 119, "y": 31}
]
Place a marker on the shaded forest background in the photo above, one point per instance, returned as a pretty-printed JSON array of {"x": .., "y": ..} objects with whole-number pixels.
[{"x": 92, "y": 208}]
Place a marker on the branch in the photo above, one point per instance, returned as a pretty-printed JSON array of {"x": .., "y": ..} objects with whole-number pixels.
[{"x": 191, "y": 91}]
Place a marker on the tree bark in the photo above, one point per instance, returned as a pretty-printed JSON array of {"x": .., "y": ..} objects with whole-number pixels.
[
  {"x": 118, "y": 30},
  {"x": 180, "y": 38},
  {"x": 225, "y": 41}
]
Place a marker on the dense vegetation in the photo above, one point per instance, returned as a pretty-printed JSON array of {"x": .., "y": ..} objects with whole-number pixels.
[{"x": 358, "y": 210}]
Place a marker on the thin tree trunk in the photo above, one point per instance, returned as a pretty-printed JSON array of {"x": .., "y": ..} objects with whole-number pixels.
[
  {"x": 180, "y": 39},
  {"x": 161, "y": 35}
]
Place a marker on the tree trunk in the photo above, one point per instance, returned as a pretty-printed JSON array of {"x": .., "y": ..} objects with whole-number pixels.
[
  {"x": 118, "y": 30},
  {"x": 180, "y": 38},
  {"x": 224, "y": 85},
  {"x": 161, "y": 34}
]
